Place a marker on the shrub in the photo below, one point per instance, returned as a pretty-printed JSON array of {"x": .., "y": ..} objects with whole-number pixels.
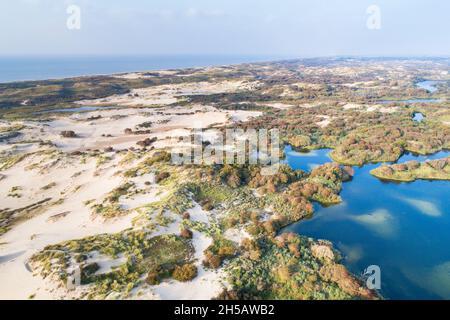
[
  {"x": 186, "y": 215},
  {"x": 212, "y": 261},
  {"x": 255, "y": 229},
  {"x": 293, "y": 248},
  {"x": 227, "y": 295},
  {"x": 255, "y": 255},
  {"x": 412, "y": 165},
  {"x": 284, "y": 273},
  {"x": 400, "y": 167},
  {"x": 115, "y": 194},
  {"x": 185, "y": 272},
  {"x": 146, "y": 142},
  {"x": 253, "y": 249},
  {"x": 160, "y": 156},
  {"x": 87, "y": 271},
  {"x": 48, "y": 186},
  {"x": 186, "y": 233},
  {"x": 270, "y": 227},
  {"x": 161, "y": 176},
  {"x": 254, "y": 217},
  {"x": 153, "y": 278},
  {"x": 226, "y": 251},
  {"x": 68, "y": 134},
  {"x": 207, "y": 206},
  {"x": 280, "y": 242}
]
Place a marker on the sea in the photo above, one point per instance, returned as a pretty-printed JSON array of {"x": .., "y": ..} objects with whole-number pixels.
[{"x": 22, "y": 68}]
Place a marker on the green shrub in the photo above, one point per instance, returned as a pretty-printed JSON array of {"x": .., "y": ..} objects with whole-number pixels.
[
  {"x": 212, "y": 261},
  {"x": 185, "y": 272},
  {"x": 88, "y": 271},
  {"x": 207, "y": 206},
  {"x": 161, "y": 176},
  {"x": 153, "y": 278},
  {"x": 186, "y": 215}
]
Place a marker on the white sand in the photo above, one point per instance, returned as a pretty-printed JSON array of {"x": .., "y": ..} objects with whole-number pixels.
[
  {"x": 169, "y": 94},
  {"x": 237, "y": 235},
  {"x": 34, "y": 234},
  {"x": 198, "y": 214},
  {"x": 350, "y": 106},
  {"x": 76, "y": 179},
  {"x": 74, "y": 219},
  {"x": 276, "y": 105},
  {"x": 325, "y": 122},
  {"x": 92, "y": 134},
  {"x": 382, "y": 109}
]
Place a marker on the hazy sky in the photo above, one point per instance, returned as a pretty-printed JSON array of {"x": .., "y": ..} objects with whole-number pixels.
[{"x": 261, "y": 27}]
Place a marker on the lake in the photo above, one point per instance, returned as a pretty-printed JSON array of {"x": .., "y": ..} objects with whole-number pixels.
[
  {"x": 428, "y": 85},
  {"x": 418, "y": 116},
  {"x": 401, "y": 227}
]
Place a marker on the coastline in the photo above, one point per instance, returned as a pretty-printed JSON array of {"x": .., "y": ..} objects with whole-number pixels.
[{"x": 159, "y": 62}]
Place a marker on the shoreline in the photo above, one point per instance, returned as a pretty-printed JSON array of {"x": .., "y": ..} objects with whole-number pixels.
[
  {"x": 138, "y": 70},
  {"x": 266, "y": 59}
]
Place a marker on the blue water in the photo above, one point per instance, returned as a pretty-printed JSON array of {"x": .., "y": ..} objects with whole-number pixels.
[
  {"x": 47, "y": 67},
  {"x": 428, "y": 85},
  {"x": 418, "y": 116},
  {"x": 306, "y": 160},
  {"x": 402, "y": 227}
]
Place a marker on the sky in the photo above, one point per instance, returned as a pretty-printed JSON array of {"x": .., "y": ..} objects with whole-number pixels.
[{"x": 294, "y": 28}]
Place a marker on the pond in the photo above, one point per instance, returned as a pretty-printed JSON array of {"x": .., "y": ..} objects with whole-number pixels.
[
  {"x": 307, "y": 160},
  {"x": 418, "y": 116},
  {"x": 401, "y": 227},
  {"x": 428, "y": 85}
]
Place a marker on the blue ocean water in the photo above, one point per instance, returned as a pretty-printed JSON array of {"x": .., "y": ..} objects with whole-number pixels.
[
  {"x": 55, "y": 67},
  {"x": 401, "y": 227}
]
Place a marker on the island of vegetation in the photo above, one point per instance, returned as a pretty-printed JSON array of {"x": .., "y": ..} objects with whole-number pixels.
[{"x": 413, "y": 170}]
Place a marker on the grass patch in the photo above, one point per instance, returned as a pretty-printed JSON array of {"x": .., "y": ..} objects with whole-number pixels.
[{"x": 160, "y": 254}]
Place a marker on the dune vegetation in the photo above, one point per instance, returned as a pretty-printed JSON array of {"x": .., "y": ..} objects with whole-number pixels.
[{"x": 413, "y": 170}]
